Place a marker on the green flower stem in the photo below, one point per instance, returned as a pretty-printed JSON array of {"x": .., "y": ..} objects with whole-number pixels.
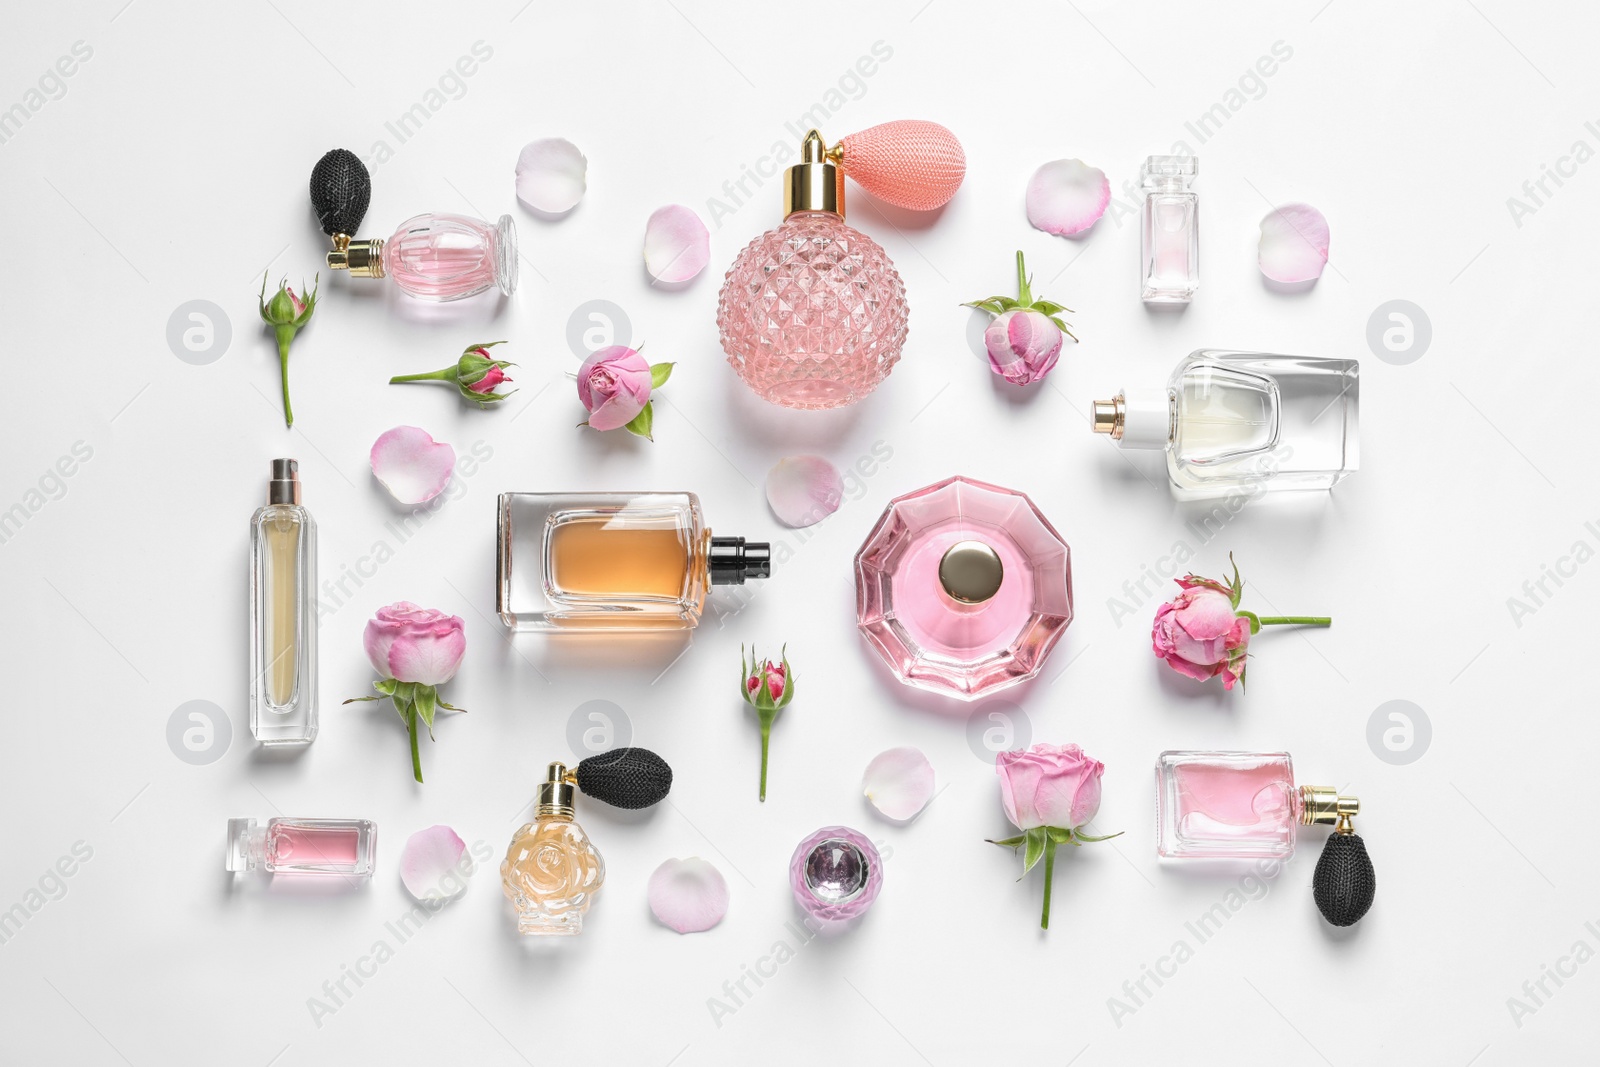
[
  {"x": 766, "y": 737},
  {"x": 285, "y": 335},
  {"x": 1024, "y": 296},
  {"x": 416, "y": 755},
  {"x": 1295, "y": 620},
  {"x": 446, "y": 375},
  {"x": 1049, "y": 863}
]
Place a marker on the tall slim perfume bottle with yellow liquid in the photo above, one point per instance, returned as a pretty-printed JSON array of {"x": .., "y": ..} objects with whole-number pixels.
[
  {"x": 283, "y": 614},
  {"x": 589, "y": 562}
]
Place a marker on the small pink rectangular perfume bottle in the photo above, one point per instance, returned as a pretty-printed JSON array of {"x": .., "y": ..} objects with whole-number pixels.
[
  {"x": 341, "y": 847},
  {"x": 1236, "y": 805}
]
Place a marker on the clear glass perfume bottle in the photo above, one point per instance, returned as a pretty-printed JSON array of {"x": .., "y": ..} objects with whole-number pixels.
[
  {"x": 1169, "y": 230},
  {"x": 1238, "y": 805},
  {"x": 812, "y": 313},
  {"x": 283, "y": 614},
  {"x": 835, "y": 873},
  {"x": 613, "y": 561},
  {"x": 1232, "y": 421},
  {"x": 552, "y": 871},
  {"x": 963, "y": 588},
  {"x": 343, "y": 847},
  {"x": 436, "y": 256}
]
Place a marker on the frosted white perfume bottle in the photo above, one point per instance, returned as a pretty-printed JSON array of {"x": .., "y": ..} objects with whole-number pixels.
[
  {"x": 1169, "y": 249},
  {"x": 283, "y": 614},
  {"x": 1243, "y": 422}
]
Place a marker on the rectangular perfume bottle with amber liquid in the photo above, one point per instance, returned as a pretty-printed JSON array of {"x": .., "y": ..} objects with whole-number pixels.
[{"x": 591, "y": 562}]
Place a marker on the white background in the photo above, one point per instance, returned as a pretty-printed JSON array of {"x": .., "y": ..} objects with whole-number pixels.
[{"x": 173, "y": 168}]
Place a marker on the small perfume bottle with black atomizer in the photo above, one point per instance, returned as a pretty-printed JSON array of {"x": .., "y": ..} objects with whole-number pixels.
[
  {"x": 552, "y": 871},
  {"x": 283, "y": 614},
  {"x": 435, "y": 256},
  {"x": 813, "y": 313},
  {"x": 620, "y": 562},
  {"x": 1246, "y": 805}
]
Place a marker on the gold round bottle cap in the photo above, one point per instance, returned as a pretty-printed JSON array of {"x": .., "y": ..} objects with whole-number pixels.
[{"x": 971, "y": 572}]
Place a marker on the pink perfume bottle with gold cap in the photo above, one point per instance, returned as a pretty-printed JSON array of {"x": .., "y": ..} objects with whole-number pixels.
[{"x": 813, "y": 313}]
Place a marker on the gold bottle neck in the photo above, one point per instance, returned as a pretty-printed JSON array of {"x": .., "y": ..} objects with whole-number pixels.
[
  {"x": 816, "y": 183},
  {"x": 363, "y": 259},
  {"x": 557, "y": 793},
  {"x": 1322, "y": 805}
]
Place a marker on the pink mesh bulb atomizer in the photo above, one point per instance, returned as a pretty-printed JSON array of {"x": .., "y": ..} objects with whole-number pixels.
[{"x": 813, "y": 313}]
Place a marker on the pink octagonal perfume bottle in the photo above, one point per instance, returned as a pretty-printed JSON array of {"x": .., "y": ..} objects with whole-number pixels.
[{"x": 963, "y": 588}]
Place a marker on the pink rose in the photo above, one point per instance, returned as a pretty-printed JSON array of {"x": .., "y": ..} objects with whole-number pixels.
[
  {"x": 1023, "y": 345},
  {"x": 614, "y": 385},
  {"x": 1200, "y": 634},
  {"x": 412, "y": 644},
  {"x": 1049, "y": 785}
]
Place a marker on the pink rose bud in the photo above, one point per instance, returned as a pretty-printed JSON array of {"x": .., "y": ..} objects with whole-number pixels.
[
  {"x": 615, "y": 384},
  {"x": 287, "y": 314},
  {"x": 765, "y": 686},
  {"x": 1202, "y": 632},
  {"x": 1023, "y": 345},
  {"x": 1024, "y": 340},
  {"x": 474, "y": 374}
]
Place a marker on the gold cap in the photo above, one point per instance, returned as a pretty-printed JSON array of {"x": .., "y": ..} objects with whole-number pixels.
[
  {"x": 816, "y": 183},
  {"x": 971, "y": 572},
  {"x": 1109, "y": 416},
  {"x": 363, "y": 259},
  {"x": 1323, "y": 804},
  {"x": 556, "y": 793}
]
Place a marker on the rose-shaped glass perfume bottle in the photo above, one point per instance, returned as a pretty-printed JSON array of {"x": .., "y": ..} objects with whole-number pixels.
[
  {"x": 813, "y": 313},
  {"x": 1234, "y": 422},
  {"x": 431, "y": 256},
  {"x": 552, "y": 871},
  {"x": 1246, "y": 805},
  {"x": 589, "y": 562},
  {"x": 963, "y": 588}
]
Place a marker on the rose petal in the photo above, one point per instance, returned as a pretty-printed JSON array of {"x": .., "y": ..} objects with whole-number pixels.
[
  {"x": 688, "y": 895},
  {"x": 899, "y": 783},
  {"x": 1294, "y": 243},
  {"x": 429, "y": 658},
  {"x": 551, "y": 175},
  {"x": 1067, "y": 196},
  {"x": 435, "y": 864},
  {"x": 412, "y": 465},
  {"x": 677, "y": 245},
  {"x": 804, "y": 489}
]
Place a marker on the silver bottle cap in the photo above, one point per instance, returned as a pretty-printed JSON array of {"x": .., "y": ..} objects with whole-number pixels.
[{"x": 284, "y": 488}]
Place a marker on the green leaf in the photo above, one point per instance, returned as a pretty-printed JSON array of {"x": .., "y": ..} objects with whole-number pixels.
[
  {"x": 1058, "y": 835},
  {"x": 451, "y": 707},
  {"x": 1010, "y": 842},
  {"x": 358, "y": 700},
  {"x": 640, "y": 426},
  {"x": 1079, "y": 836},
  {"x": 1050, "y": 307},
  {"x": 991, "y": 305},
  {"x": 1034, "y": 852},
  {"x": 427, "y": 705},
  {"x": 386, "y": 687},
  {"x": 659, "y": 373}
]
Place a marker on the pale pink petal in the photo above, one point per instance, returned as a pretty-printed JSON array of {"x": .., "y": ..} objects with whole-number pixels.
[
  {"x": 430, "y": 658},
  {"x": 412, "y": 465},
  {"x": 677, "y": 245},
  {"x": 688, "y": 895},
  {"x": 1294, "y": 243},
  {"x": 804, "y": 489},
  {"x": 899, "y": 783},
  {"x": 435, "y": 864},
  {"x": 1067, "y": 196},
  {"x": 551, "y": 175}
]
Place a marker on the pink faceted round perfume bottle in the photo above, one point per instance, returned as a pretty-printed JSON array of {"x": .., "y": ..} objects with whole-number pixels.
[
  {"x": 813, "y": 313},
  {"x": 963, "y": 588}
]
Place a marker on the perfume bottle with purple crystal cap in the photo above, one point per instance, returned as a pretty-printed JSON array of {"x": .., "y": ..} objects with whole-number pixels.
[{"x": 836, "y": 874}]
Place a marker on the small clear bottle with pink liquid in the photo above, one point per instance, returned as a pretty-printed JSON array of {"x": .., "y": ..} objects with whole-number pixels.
[
  {"x": 1169, "y": 253},
  {"x": 963, "y": 588},
  {"x": 437, "y": 256},
  {"x": 341, "y": 847},
  {"x": 1242, "y": 805}
]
